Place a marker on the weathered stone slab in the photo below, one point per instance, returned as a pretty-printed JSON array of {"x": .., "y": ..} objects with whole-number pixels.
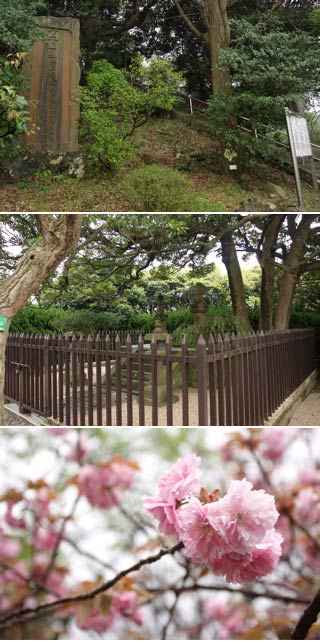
[{"x": 52, "y": 78}]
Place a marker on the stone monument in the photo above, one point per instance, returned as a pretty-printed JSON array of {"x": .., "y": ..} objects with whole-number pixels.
[
  {"x": 159, "y": 332},
  {"x": 52, "y": 80},
  {"x": 199, "y": 306}
]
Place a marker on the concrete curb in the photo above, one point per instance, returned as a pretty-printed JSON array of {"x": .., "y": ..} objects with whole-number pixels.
[
  {"x": 29, "y": 419},
  {"x": 289, "y": 406}
]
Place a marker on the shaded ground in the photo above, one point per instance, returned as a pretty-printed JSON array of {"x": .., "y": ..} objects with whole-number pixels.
[
  {"x": 308, "y": 413},
  {"x": 158, "y": 142}
]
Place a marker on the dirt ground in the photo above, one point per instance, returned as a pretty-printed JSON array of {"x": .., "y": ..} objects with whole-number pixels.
[{"x": 308, "y": 413}]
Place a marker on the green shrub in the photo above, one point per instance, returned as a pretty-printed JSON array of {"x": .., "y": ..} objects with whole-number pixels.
[
  {"x": 181, "y": 317},
  {"x": 218, "y": 320},
  {"x": 14, "y": 114},
  {"x": 115, "y": 103},
  {"x": 157, "y": 188},
  {"x": 92, "y": 322},
  {"x": 33, "y": 319}
]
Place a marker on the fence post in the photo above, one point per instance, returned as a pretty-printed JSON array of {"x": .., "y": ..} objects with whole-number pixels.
[
  {"x": 212, "y": 380},
  {"x": 61, "y": 377},
  {"x": 228, "y": 383},
  {"x": 169, "y": 381},
  {"x": 185, "y": 383},
  {"x": 129, "y": 381},
  {"x": 118, "y": 380},
  {"x": 202, "y": 382},
  {"x": 141, "y": 380},
  {"x": 108, "y": 380},
  {"x": 234, "y": 380},
  {"x": 154, "y": 381},
  {"x": 67, "y": 378},
  {"x": 98, "y": 378},
  {"x": 74, "y": 379},
  {"x": 47, "y": 377},
  {"x": 20, "y": 373},
  {"x": 221, "y": 382}
]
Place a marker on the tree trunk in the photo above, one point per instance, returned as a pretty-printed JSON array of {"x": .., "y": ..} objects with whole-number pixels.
[
  {"x": 215, "y": 17},
  {"x": 291, "y": 270},
  {"x": 268, "y": 271},
  {"x": 60, "y": 234},
  {"x": 231, "y": 262}
]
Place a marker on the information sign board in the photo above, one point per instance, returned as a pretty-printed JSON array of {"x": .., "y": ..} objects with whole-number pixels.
[
  {"x": 3, "y": 323},
  {"x": 300, "y": 135}
]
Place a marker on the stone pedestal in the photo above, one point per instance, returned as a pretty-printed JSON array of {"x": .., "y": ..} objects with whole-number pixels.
[{"x": 52, "y": 79}]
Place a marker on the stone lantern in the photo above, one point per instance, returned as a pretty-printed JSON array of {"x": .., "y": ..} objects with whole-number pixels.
[{"x": 199, "y": 306}]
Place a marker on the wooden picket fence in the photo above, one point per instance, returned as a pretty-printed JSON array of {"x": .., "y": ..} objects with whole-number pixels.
[{"x": 111, "y": 380}]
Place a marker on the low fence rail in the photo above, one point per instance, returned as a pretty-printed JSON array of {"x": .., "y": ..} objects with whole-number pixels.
[
  {"x": 276, "y": 137},
  {"x": 237, "y": 380}
]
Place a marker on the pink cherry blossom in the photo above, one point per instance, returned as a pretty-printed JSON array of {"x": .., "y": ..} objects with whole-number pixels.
[
  {"x": 54, "y": 580},
  {"x": 274, "y": 442},
  {"x": 196, "y": 530},
  {"x": 9, "y": 547},
  {"x": 45, "y": 538},
  {"x": 78, "y": 451},
  {"x": 242, "y": 569},
  {"x": 179, "y": 483},
  {"x": 309, "y": 553},
  {"x": 40, "y": 503},
  {"x": 307, "y": 506},
  {"x": 58, "y": 431},
  {"x": 98, "y": 621},
  {"x": 229, "y": 621},
  {"x": 309, "y": 476},
  {"x": 182, "y": 480},
  {"x": 105, "y": 485},
  {"x": 11, "y": 520},
  {"x": 165, "y": 512},
  {"x": 126, "y": 604},
  {"x": 283, "y": 526},
  {"x": 243, "y": 516}
]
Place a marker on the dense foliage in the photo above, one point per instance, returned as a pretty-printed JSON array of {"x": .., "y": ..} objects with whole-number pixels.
[{"x": 115, "y": 104}]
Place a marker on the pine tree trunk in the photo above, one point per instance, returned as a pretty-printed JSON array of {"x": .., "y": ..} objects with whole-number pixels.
[
  {"x": 290, "y": 273},
  {"x": 268, "y": 271},
  {"x": 231, "y": 262},
  {"x": 59, "y": 236}
]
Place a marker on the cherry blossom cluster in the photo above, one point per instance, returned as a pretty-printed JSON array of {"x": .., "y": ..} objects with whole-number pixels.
[
  {"x": 109, "y": 607},
  {"x": 233, "y": 535}
]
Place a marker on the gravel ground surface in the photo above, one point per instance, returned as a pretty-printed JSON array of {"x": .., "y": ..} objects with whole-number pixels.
[{"x": 308, "y": 413}]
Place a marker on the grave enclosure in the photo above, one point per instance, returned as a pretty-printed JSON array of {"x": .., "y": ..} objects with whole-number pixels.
[{"x": 111, "y": 380}]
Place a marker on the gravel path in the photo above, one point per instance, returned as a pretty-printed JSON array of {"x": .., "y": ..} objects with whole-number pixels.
[{"x": 308, "y": 413}]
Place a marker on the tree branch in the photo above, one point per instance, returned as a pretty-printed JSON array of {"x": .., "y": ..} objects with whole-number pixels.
[
  {"x": 26, "y": 613},
  {"x": 308, "y": 618},
  {"x": 201, "y": 36}
]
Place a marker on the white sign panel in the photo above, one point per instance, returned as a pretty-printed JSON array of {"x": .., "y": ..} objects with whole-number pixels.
[{"x": 301, "y": 137}]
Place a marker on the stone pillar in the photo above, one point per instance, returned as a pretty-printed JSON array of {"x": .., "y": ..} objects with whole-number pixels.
[
  {"x": 159, "y": 332},
  {"x": 52, "y": 81},
  {"x": 199, "y": 307}
]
